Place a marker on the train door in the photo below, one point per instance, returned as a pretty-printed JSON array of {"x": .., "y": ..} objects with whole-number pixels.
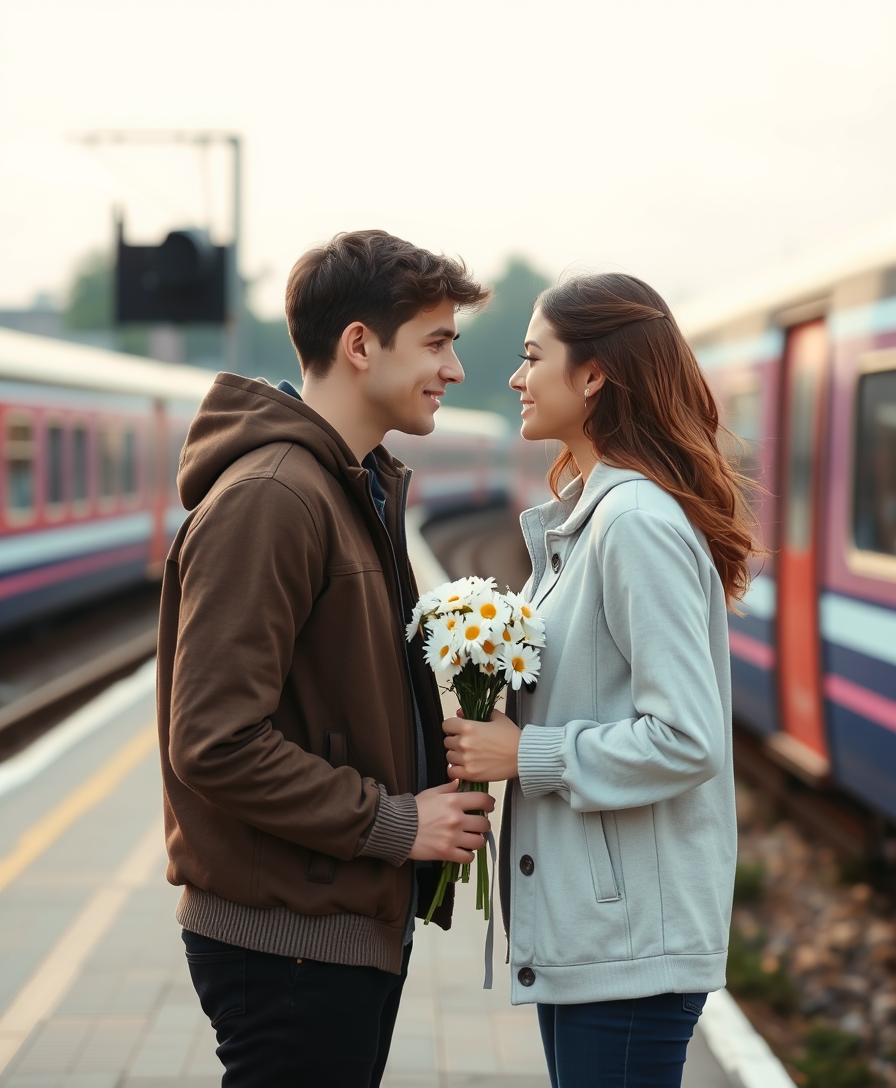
[{"x": 805, "y": 382}]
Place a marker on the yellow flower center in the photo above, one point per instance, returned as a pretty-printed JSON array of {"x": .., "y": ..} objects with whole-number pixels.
[
  {"x": 526, "y": 611},
  {"x": 489, "y": 647},
  {"x": 488, "y": 611},
  {"x": 472, "y": 632},
  {"x": 451, "y": 624},
  {"x": 518, "y": 664},
  {"x": 450, "y": 599},
  {"x": 506, "y": 635},
  {"x": 444, "y": 650},
  {"x": 456, "y": 660}
]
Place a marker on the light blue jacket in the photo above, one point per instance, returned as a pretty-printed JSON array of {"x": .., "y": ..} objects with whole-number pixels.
[{"x": 623, "y": 836}]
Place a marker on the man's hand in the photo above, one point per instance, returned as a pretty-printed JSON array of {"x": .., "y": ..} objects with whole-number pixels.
[
  {"x": 447, "y": 827},
  {"x": 482, "y": 751}
]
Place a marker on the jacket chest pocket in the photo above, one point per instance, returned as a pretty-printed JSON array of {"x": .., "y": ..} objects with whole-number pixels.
[
  {"x": 605, "y": 887},
  {"x": 322, "y": 867}
]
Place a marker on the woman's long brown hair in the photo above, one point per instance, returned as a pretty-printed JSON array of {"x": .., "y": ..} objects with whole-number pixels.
[{"x": 655, "y": 412}]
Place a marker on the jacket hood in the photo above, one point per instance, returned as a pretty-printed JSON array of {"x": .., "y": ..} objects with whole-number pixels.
[{"x": 239, "y": 415}]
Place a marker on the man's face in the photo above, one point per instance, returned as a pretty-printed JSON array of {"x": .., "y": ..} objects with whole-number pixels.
[{"x": 406, "y": 382}]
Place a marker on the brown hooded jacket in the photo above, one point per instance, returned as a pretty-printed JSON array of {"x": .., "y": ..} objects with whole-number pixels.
[{"x": 285, "y": 705}]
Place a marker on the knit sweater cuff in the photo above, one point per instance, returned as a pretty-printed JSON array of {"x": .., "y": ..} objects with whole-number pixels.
[
  {"x": 541, "y": 768},
  {"x": 394, "y": 829}
]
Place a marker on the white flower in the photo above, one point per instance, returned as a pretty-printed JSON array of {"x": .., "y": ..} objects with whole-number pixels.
[
  {"x": 422, "y": 610},
  {"x": 492, "y": 607},
  {"x": 442, "y": 646},
  {"x": 453, "y": 596},
  {"x": 487, "y": 653},
  {"x": 473, "y": 631},
  {"x": 530, "y": 622},
  {"x": 521, "y": 664}
]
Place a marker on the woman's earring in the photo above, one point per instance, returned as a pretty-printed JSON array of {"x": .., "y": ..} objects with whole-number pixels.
[{"x": 587, "y": 391}]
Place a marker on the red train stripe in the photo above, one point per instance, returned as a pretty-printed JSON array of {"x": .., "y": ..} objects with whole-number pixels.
[
  {"x": 868, "y": 704},
  {"x": 74, "y": 568},
  {"x": 751, "y": 650}
]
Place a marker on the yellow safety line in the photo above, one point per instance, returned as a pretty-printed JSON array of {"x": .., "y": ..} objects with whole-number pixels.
[{"x": 41, "y": 835}]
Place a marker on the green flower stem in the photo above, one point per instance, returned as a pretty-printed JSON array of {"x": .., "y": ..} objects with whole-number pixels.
[{"x": 477, "y": 693}]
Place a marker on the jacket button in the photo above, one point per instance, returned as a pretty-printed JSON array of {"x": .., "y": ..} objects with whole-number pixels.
[
  {"x": 527, "y": 865},
  {"x": 526, "y": 976},
  {"x": 556, "y": 563}
]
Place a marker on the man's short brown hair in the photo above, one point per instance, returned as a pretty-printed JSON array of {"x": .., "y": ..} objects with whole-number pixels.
[{"x": 372, "y": 277}]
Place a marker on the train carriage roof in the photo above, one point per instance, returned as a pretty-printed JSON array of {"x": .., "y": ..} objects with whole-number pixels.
[
  {"x": 40, "y": 359},
  {"x": 810, "y": 278},
  {"x": 29, "y": 358}
]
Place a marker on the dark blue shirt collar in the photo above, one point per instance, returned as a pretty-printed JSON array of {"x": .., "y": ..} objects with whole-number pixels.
[{"x": 369, "y": 462}]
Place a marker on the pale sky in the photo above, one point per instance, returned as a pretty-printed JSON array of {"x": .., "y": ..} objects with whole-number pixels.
[{"x": 689, "y": 143}]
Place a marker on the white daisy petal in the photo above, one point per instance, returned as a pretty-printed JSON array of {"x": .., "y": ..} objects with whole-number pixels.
[{"x": 521, "y": 664}]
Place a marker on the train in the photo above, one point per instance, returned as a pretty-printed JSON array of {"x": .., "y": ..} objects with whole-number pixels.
[
  {"x": 90, "y": 444},
  {"x": 803, "y": 366}
]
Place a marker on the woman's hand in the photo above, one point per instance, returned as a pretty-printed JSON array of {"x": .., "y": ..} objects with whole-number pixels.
[{"x": 482, "y": 751}]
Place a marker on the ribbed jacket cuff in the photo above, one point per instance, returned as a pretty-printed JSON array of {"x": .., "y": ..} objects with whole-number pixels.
[
  {"x": 394, "y": 828},
  {"x": 541, "y": 769}
]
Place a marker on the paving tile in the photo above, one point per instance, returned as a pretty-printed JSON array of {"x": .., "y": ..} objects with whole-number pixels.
[
  {"x": 109, "y": 1046},
  {"x": 410, "y": 1055},
  {"x": 479, "y": 1080},
  {"x": 66, "y": 1080},
  {"x": 168, "y": 1082},
  {"x": 411, "y": 1080},
  {"x": 202, "y": 1059},
  {"x": 167, "y": 1046},
  {"x": 54, "y": 1047}
]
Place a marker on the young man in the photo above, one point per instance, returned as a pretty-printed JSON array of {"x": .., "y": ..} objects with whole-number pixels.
[{"x": 302, "y": 751}]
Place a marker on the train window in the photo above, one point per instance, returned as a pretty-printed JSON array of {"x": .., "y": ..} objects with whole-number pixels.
[
  {"x": 129, "y": 463},
  {"x": 20, "y": 450},
  {"x": 803, "y": 410},
  {"x": 874, "y": 511},
  {"x": 743, "y": 420},
  {"x": 80, "y": 474},
  {"x": 55, "y": 492},
  {"x": 108, "y": 463}
]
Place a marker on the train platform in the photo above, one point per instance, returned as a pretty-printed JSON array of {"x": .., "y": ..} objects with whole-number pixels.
[{"x": 94, "y": 987}]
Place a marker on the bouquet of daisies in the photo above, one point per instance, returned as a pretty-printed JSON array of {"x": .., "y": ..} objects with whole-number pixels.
[{"x": 479, "y": 641}]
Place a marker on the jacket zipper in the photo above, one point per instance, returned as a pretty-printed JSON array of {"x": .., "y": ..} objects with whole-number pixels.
[
  {"x": 415, "y": 755},
  {"x": 402, "y": 502}
]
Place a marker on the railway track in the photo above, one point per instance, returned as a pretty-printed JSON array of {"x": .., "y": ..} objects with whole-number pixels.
[
  {"x": 47, "y": 672},
  {"x": 485, "y": 543}
]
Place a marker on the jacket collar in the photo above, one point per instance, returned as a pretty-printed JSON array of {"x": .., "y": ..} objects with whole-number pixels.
[{"x": 566, "y": 515}]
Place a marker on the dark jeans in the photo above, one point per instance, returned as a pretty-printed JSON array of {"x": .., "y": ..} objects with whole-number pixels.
[
  {"x": 639, "y": 1043},
  {"x": 282, "y": 1023}
]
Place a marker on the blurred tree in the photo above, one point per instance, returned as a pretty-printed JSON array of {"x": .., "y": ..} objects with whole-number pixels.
[
  {"x": 90, "y": 295},
  {"x": 268, "y": 350},
  {"x": 490, "y": 342}
]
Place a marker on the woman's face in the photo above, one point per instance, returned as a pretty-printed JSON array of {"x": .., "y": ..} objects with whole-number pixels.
[{"x": 553, "y": 404}]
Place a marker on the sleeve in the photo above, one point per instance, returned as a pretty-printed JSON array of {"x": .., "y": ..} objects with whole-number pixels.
[
  {"x": 250, "y": 570},
  {"x": 657, "y": 614}
]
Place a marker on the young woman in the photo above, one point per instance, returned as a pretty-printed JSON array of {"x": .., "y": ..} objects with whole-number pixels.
[{"x": 618, "y": 850}]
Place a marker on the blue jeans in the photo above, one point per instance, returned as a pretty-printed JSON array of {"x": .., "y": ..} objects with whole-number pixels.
[
  {"x": 286, "y": 1023},
  {"x": 637, "y": 1043}
]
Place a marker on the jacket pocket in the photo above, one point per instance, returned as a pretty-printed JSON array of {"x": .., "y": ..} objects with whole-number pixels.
[
  {"x": 605, "y": 888},
  {"x": 322, "y": 867}
]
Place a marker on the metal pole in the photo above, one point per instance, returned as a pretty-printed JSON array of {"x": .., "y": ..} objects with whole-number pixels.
[{"x": 236, "y": 331}]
